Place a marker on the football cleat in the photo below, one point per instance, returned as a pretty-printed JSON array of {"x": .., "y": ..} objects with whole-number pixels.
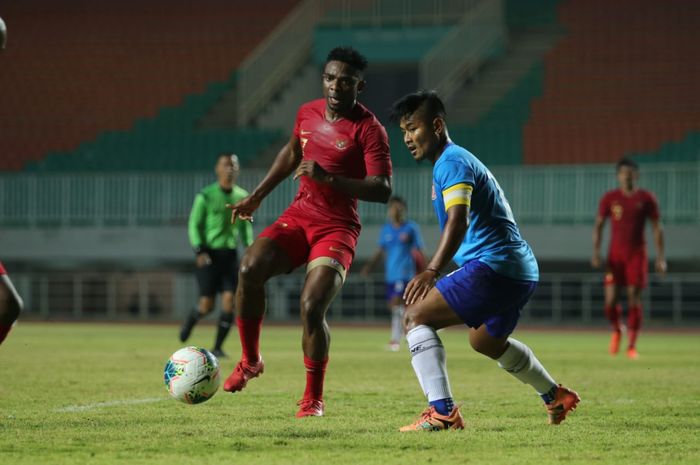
[
  {"x": 632, "y": 354},
  {"x": 615, "y": 342},
  {"x": 310, "y": 408},
  {"x": 430, "y": 420},
  {"x": 218, "y": 353},
  {"x": 565, "y": 401},
  {"x": 242, "y": 373}
]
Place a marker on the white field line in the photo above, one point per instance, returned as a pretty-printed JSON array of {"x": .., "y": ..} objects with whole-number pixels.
[{"x": 114, "y": 403}]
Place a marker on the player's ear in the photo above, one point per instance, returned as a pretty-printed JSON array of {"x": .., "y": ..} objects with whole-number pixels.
[
  {"x": 361, "y": 86},
  {"x": 438, "y": 126}
]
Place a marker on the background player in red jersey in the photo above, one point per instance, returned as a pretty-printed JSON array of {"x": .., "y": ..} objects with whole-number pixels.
[
  {"x": 628, "y": 208},
  {"x": 339, "y": 151}
]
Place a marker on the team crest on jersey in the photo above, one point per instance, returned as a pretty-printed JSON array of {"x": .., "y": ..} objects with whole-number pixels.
[
  {"x": 341, "y": 144},
  {"x": 617, "y": 211},
  {"x": 433, "y": 195}
]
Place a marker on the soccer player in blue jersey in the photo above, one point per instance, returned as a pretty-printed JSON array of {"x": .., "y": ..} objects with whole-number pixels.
[
  {"x": 401, "y": 244},
  {"x": 497, "y": 272}
]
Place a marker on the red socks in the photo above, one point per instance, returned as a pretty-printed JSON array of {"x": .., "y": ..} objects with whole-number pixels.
[
  {"x": 249, "y": 332},
  {"x": 315, "y": 373},
  {"x": 613, "y": 315},
  {"x": 4, "y": 330},
  {"x": 634, "y": 323}
]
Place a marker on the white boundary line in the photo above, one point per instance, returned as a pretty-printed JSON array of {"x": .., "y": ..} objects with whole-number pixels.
[{"x": 114, "y": 403}]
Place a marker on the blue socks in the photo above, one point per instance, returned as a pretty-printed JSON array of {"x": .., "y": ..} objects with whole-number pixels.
[
  {"x": 548, "y": 397},
  {"x": 443, "y": 406}
]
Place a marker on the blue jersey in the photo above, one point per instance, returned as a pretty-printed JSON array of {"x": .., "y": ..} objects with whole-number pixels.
[
  {"x": 493, "y": 237},
  {"x": 397, "y": 243}
]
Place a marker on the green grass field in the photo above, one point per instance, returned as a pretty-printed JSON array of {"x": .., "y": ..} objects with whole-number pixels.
[{"x": 88, "y": 393}]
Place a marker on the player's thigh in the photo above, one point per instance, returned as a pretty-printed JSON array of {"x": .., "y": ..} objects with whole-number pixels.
[
  {"x": 207, "y": 280},
  {"x": 264, "y": 259},
  {"x": 432, "y": 311},
  {"x": 321, "y": 285},
  {"x": 483, "y": 342}
]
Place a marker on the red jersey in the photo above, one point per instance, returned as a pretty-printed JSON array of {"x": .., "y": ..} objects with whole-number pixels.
[
  {"x": 355, "y": 147},
  {"x": 628, "y": 215}
]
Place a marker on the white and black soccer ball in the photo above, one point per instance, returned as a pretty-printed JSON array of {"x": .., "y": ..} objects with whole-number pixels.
[{"x": 192, "y": 375}]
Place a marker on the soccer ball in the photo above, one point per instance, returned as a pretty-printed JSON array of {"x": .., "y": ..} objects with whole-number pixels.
[{"x": 192, "y": 375}]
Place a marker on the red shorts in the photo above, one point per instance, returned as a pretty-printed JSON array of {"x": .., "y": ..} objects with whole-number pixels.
[
  {"x": 2, "y": 269},
  {"x": 630, "y": 270},
  {"x": 304, "y": 240}
]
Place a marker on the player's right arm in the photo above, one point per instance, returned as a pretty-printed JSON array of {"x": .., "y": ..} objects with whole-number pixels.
[
  {"x": 285, "y": 163},
  {"x": 597, "y": 238}
]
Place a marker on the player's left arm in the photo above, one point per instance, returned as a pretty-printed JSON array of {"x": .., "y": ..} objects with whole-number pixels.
[
  {"x": 655, "y": 217},
  {"x": 658, "y": 230},
  {"x": 452, "y": 236}
]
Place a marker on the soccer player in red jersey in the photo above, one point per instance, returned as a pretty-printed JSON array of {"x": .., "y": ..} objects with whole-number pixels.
[
  {"x": 10, "y": 304},
  {"x": 10, "y": 301},
  {"x": 628, "y": 209},
  {"x": 340, "y": 153}
]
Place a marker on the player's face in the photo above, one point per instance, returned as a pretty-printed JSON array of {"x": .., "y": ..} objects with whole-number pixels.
[
  {"x": 226, "y": 169},
  {"x": 341, "y": 85},
  {"x": 420, "y": 136},
  {"x": 397, "y": 212},
  {"x": 627, "y": 177}
]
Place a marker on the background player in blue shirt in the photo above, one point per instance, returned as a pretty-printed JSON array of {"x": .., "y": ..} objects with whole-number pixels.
[
  {"x": 498, "y": 272},
  {"x": 401, "y": 244}
]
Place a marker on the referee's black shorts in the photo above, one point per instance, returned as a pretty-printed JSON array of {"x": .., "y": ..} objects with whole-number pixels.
[{"x": 220, "y": 275}]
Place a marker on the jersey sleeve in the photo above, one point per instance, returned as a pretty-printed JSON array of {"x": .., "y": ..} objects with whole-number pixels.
[
  {"x": 375, "y": 146},
  {"x": 604, "y": 206},
  {"x": 455, "y": 180},
  {"x": 195, "y": 224}
]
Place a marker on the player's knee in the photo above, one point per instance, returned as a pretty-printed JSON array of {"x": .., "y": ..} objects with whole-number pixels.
[
  {"x": 312, "y": 311},
  {"x": 250, "y": 272},
  {"x": 414, "y": 317}
]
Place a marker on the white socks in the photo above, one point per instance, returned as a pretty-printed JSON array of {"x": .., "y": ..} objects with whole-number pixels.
[
  {"x": 428, "y": 360},
  {"x": 519, "y": 361},
  {"x": 397, "y": 323}
]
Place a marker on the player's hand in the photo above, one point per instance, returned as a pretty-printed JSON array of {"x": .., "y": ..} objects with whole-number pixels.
[
  {"x": 312, "y": 170},
  {"x": 244, "y": 209},
  {"x": 203, "y": 259},
  {"x": 419, "y": 286},
  {"x": 595, "y": 261},
  {"x": 660, "y": 265}
]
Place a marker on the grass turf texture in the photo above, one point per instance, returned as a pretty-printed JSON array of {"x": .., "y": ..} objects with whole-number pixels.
[{"x": 632, "y": 412}]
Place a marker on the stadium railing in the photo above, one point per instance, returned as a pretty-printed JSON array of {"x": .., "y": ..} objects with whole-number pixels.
[
  {"x": 538, "y": 195},
  {"x": 572, "y": 299},
  {"x": 479, "y": 36}
]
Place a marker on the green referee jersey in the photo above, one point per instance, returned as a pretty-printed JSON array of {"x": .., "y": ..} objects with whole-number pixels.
[{"x": 210, "y": 225}]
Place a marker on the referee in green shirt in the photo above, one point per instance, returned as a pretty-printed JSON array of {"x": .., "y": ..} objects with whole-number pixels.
[{"x": 214, "y": 240}]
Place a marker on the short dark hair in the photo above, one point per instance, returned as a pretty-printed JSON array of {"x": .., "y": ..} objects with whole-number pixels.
[
  {"x": 348, "y": 55},
  {"x": 626, "y": 162},
  {"x": 408, "y": 104},
  {"x": 397, "y": 199}
]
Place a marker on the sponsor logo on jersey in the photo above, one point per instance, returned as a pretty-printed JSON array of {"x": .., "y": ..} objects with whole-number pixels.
[{"x": 341, "y": 144}]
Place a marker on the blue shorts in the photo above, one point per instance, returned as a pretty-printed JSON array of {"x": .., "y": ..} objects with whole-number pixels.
[
  {"x": 479, "y": 296},
  {"x": 395, "y": 289}
]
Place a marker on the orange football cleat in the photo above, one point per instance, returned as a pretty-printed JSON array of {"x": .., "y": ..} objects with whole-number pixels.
[
  {"x": 565, "y": 401},
  {"x": 615, "y": 342},
  {"x": 430, "y": 420},
  {"x": 632, "y": 353}
]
